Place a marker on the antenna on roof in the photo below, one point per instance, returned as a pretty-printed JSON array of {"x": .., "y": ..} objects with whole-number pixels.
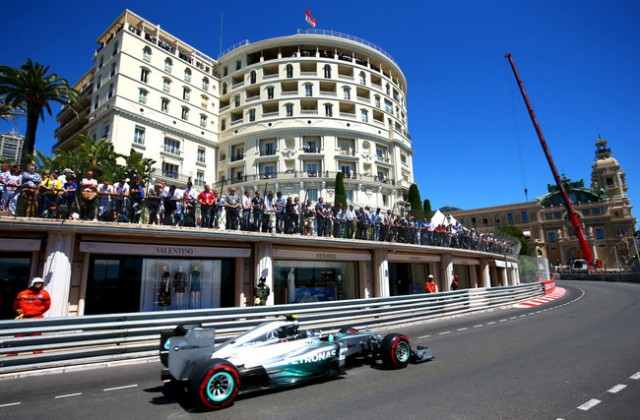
[{"x": 220, "y": 41}]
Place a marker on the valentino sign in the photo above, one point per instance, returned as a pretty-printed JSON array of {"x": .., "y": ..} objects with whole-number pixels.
[{"x": 163, "y": 250}]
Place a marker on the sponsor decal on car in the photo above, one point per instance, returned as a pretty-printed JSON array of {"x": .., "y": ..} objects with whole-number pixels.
[{"x": 314, "y": 357}]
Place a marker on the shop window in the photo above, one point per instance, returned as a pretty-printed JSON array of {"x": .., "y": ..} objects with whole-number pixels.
[
  {"x": 14, "y": 277},
  {"x": 599, "y": 233},
  {"x": 314, "y": 281},
  {"x": 552, "y": 236}
]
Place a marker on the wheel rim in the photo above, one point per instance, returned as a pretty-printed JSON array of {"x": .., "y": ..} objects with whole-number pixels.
[
  {"x": 403, "y": 351},
  {"x": 220, "y": 386}
]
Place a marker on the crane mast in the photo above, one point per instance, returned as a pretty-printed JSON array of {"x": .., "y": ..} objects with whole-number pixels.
[{"x": 574, "y": 219}]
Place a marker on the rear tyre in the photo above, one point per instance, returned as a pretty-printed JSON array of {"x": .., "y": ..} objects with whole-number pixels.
[
  {"x": 217, "y": 387},
  {"x": 396, "y": 351}
]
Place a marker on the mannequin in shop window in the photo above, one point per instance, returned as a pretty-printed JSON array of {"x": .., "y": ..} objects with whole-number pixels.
[
  {"x": 179, "y": 286},
  {"x": 195, "y": 287},
  {"x": 291, "y": 286},
  {"x": 164, "y": 291}
]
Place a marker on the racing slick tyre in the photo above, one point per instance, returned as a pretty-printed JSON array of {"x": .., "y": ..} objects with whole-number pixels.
[
  {"x": 396, "y": 351},
  {"x": 216, "y": 386}
]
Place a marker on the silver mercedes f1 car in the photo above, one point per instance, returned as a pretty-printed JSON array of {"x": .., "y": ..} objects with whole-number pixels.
[{"x": 273, "y": 354}]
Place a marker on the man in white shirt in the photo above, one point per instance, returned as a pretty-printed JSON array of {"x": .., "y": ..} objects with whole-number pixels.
[
  {"x": 105, "y": 189},
  {"x": 5, "y": 172},
  {"x": 350, "y": 217},
  {"x": 121, "y": 198},
  {"x": 246, "y": 210}
]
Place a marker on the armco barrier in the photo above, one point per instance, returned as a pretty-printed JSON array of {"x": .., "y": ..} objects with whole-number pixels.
[
  {"x": 549, "y": 286},
  {"x": 59, "y": 342}
]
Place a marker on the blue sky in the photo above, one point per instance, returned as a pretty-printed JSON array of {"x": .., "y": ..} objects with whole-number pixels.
[{"x": 473, "y": 143}]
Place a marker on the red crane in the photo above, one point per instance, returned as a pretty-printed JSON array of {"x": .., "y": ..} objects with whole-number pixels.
[{"x": 574, "y": 219}]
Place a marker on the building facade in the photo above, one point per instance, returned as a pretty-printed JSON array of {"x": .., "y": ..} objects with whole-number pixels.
[
  {"x": 285, "y": 114},
  {"x": 11, "y": 147},
  {"x": 604, "y": 208}
]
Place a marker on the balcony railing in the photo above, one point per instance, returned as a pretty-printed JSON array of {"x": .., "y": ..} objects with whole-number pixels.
[
  {"x": 236, "y": 157},
  {"x": 289, "y": 92},
  {"x": 301, "y": 175},
  {"x": 311, "y": 148},
  {"x": 268, "y": 151}
]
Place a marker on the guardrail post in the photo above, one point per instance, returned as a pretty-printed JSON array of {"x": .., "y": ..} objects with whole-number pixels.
[
  {"x": 57, "y": 271},
  {"x": 486, "y": 275}
]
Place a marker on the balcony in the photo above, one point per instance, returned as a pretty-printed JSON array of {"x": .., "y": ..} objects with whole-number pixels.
[
  {"x": 270, "y": 114},
  {"x": 348, "y": 115},
  {"x": 268, "y": 151},
  {"x": 236, "y": 156},
  {"x": 351, "y": 177},
  {"x": 289, "y": 92},
  {"x": 311, "y": 148}
]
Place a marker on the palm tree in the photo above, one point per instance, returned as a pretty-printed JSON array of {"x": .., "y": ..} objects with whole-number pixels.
[{"x": 32, "y": 88}]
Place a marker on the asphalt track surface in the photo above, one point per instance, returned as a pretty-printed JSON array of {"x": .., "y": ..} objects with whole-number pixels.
[{"x": 575, "y": 358}]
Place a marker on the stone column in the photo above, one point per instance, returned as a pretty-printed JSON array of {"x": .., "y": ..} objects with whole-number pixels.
[
  {"x": 57, "y": 271},
  {"x": 365, "y": 275},
  {"x": 473, "y": 276},
  {"x": 264, "y": 267},
  {"x": 240, "y": 295},
  {"x": 516, "y": 275},
  {"x": 503, "y": 276},
  {"x": 381, "y": 273},
  {"x": 485, "y": 271},
  {"x": 447, "y": 272}
]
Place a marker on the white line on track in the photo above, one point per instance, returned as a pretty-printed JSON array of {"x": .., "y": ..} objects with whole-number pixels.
[
  {"x": 116, "y": 388},
  {"x": 11, "y": 404},
  {"x": 635, "y": 376},
  {"x": 444, "y": 333},
  {"x": 462, "y": 329},
  {"x": 589, "y": 404},
  {"x": 503, "y": 320},
  {"x": 491, "y": 322},
  {"x": 425, "y": 336},
  {"x": 616, "y": 388},
  {"x": 75, "y": 394},
  {"x": 478, "y": 326}
]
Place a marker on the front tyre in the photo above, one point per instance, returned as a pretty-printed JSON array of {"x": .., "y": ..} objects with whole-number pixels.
[
  {"x": 396, "y": 351},
  {"x": 217, "y": 387}
]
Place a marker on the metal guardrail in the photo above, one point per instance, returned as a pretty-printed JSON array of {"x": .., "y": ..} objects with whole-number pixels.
[{"x": 27, "y": 345}]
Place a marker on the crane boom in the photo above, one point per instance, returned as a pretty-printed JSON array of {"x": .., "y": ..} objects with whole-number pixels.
[{"x": 574, "y": 219}]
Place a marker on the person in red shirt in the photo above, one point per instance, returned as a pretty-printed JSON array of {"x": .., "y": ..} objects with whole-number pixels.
[
  {"x": 430, "y": 286},
  {"x": 32, "y": 302},
  {"x": 207, "y": 200}
]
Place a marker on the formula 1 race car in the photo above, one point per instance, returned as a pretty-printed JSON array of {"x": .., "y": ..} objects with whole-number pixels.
[{"x": 273, "y": 354}]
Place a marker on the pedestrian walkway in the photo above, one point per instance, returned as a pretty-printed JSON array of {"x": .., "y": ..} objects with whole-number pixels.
[{"x": 532, "y": 303}]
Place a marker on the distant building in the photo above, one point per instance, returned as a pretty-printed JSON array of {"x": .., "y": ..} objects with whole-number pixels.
[
  {"x": 11, "y": 147},
  {"x": 605, "y": 209}
]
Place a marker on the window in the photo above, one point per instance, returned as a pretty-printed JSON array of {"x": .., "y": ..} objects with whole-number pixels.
[
  {"x": 203, "y": 120},
  {"x": 186, "y": 93},
  {"x": 101, "y": 62},
  {"x": 377, "y": 99},
  {"x": 308, "y": 89},
  {"x": 385, "y": 200},
  {"x": 510, "y": 218},
  {"x": 225, "y": 71},
  {"x": 236, "y": 100},
  {"x": 289, "y": 108},
  {"x": 252, "y": 77},
  {"x": 252, "y": 115},
  {"x": 98, "y": 82},
  {"x": 364, "y": 115},
  {"x": 224, "y": 88},
  {"x": 327, "y": 71},
  {"x": 205, "y": 83},
  {"x": 202, "y": 154},
  {"x": 388, "y": 89},
  {"x": 312, "y": 194},
  {"x": 138, "y": 135},
  {"x": 524, "y": 216},
  {"x": 328, "y": 110},
  {"x": 223, "y": 125},
  {"x": 599, "y": 233},
  {"x": 142, "y": 96},
  {"x": 289, "y": 71},
  {"x": 346, "y": 92},
  {"x": 144, "y": 75},
  {"x": 168, "y": 65},
  {"x": 270, "y": 92},
  {"x": 115, "y": 48},
  {"x": 312, "y": 168},
  {"x": 171, "y": 146},
  {"x": 238, "y": 65},
  {"x": 110, "y": 90},
  {"x": 164, "y": 105},
  {"x": 363, "y": 78},
  {"x": 199, "y": 181},
  {"x": 187, "y": 74},
  {"x": 185, "y": 113},
  {"x": 205, "y": 101},
  {"x": 552, "y": 236},
  {"x": 105, "y": 131},
  {"x": 113, "y": 69},
  {"x": 169, "y": 170},
  {"x": 146, "y": 54},
  {"x": 166, "y": 84}
]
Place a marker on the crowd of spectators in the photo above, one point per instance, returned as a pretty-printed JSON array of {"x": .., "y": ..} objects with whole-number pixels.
[{"x": 68, "y": 195}]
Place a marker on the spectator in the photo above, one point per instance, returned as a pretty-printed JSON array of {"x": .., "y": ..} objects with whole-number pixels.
[
  {"x": 105, "y": 190},
  {"x": 232, "y": 207},
  {"x": 88, "y": 196},
  {"x": 207, "y": 201},
  {"x": 136, "y": 197},
  {"x": 50, "y": 190},
  {"x": 455, "y": 282},
  {"x": 280, "y": 210},
  {"x": 320, "y": 217},
  {"x": 32, "y": 302},
  {"x": 246, "y": 211},
  {"x": 153, "y": 202},
  {"x": 430, "y": 286},
  {"x": 189, "y": 200},
  {"x": 169, "y": 205},
  {"x": 29, "y": 187},
  {"x": 269, "y": 213},
  {"x": 69, "y": 203},
  {"x": 257, "y": 206},
  {"x": 121, "y": 199}
]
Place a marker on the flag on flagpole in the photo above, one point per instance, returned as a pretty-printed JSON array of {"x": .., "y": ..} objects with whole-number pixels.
[{"x": 310, "y": 19}]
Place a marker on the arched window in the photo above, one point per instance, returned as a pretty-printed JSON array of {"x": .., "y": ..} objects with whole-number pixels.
[
  {"x": 144, "y": 74},
  {"x": 185, "y": 113},
  {"x": 205, "y": 83},
  {"x": 327, "y": 71},
  {"x": 388, "y": 89},
  {"x": 346, "y": 92},
  {"x": 252, "y": 77},
  {"x": 364, "y": 115},
  {"x": 166, "y": 84},
  {"x": 168, "y": 65},
  {"x": 289, "y": 109},
  {"x": 289, "y": 71},
  {"x": 328, "y": 110},
  {"x": 146, "y": 53},
  {"x": 269, "y": 92},
  {"x": 308, "y": 89},
  {"x": 363, "y": 78},
  {"x": 187, "y": 74},
  {"x": 186, "y": 93},
  {"x": 224, "y": 88},
  {"x": 377, "y": 99}
]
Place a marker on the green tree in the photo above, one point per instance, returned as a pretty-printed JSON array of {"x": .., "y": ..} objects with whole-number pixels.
[
  {"x": 136, "y": 164},
  {"x": 32, "y": 88},
  {"x": 341, "y": 194},
  {"x": 415, "y": 202},
  {"x": 426, "y": 207},
  {"x": 515, "y": 233}
]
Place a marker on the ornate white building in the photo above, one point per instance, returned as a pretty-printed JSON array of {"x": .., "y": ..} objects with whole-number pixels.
[{"x": 284, "y": 114}]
